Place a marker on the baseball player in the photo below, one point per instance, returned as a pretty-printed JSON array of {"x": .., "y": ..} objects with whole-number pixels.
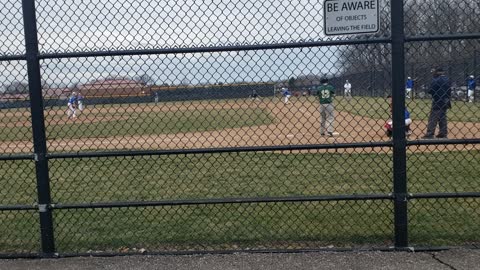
[
  {"x": 409, "y": 87},
  {"x": 471, "y": 85},
  {"x": 72, "y": 104},
  {"x": 80, "y": 102},
  {"x": 286, "y": 95},
  {"x": 325, "y": 94},
  {"x": 389, "y": 124},
  {"x": 348, "y": 89},
  {"x": 255, "y": 95}
]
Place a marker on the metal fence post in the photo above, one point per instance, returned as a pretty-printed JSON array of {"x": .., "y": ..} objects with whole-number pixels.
[
  {"x": 38, "y": 127},
  {"x": 399, "y": 140}
]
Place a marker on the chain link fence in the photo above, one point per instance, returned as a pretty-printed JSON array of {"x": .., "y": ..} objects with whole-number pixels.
[{"x": 172, "y": 127}]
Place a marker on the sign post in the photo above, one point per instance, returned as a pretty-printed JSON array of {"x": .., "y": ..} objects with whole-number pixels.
[{"x": 343, "y": 17}]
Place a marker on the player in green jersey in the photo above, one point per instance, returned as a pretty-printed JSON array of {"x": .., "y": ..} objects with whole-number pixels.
[{"x": 325, "y": 94}]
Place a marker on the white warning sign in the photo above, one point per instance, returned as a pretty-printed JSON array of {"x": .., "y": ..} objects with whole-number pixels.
[{"x": 350, "y": 16}]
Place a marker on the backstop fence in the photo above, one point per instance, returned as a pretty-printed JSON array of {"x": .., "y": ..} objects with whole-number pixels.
[{"x": 311, "y": 163}]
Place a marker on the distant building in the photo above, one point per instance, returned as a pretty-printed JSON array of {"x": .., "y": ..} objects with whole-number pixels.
[{"x": 4, "y": 97}]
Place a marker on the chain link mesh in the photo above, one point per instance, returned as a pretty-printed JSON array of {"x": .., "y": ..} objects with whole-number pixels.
[
  {"x": 212, "y": 100},
  {"x": 440, "y": 17},
  {"x": 451, "y": 222},
  {"x": 19, "y": 229},
  {"x": 149, "y": 178},
  {"x": 225, "y": 227},
  {"x": 11, "y": 28},
  {"x": 123, "y": 25},
  {"x": 19, "y": 232},
  {"x": 190, "y": 79}
]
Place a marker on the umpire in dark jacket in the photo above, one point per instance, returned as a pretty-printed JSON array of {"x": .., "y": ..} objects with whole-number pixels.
[{"x": 440, "y": 89}]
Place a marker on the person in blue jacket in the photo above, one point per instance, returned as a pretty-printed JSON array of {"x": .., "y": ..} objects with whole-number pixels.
[
  {"x": 440, "y": 89},
  {"x": 72, "y": 106}
]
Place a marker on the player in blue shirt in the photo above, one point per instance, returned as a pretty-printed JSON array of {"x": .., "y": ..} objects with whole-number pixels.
[
  {"x": 409, "y": 87},
  {"x": 72, "y": 105},
  {"x": 471, "y": 85}
]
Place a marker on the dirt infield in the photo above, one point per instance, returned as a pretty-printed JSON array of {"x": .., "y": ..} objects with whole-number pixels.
[{"x": 297, "y": 123}]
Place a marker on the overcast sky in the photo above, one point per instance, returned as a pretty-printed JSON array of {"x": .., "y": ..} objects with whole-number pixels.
[{"x": 67, "y": 26}]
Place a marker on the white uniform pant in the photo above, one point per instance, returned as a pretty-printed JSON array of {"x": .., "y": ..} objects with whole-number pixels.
[
  {"x": 71, "y": 112},
  {"x": 470, "y": 95},
  {"x": 327, "y": 118},
  {"x": 408, "y": 92}
]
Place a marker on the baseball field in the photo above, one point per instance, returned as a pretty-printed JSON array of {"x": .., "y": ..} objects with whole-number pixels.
[
  {"x": 230, "y": 175},
  {"x": 221, "y": 123}
]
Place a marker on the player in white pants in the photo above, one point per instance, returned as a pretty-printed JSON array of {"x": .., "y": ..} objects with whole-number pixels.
[
  {"x": 81, "y": 106},
  {"x": 471, "y": 85},
  {"x": 286, "y": 95},
  {"x": 348, "y": 89}
]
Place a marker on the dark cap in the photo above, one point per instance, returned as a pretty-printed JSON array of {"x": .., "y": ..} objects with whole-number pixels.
[{"x": 324, "y": 80}]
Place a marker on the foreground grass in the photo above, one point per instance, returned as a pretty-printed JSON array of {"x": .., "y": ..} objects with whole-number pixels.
[{"x": 255, "y": 225}]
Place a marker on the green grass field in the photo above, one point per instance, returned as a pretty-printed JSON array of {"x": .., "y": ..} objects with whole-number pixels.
[
  {"x": 378, "y": 108},
  {"x": 295, "y": 225},
  {"x": 121, "y": 123},
  {"x": 275, "y": 225}
]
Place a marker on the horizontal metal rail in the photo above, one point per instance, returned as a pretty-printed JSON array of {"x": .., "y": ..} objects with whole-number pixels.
[
  {"x": 444, "y": 195},
  {"x": 226, "y": 48},
  {"x": 462, "y": 36},
  {"x": 251, "y": 47},
  {"x": 217, "y": 252},
  {"x": 217, "y": 150},
  {"x": 223, "y": 201},
  {"x": 259, "y": 251},
  {"x": 18, "y": 207},
  {"x": 357, "y": 197},
  {"x": 20, "y": 57},
  {"x": 238, "y": 149},
  {"x": 17, "y": 157},
  {"x": 21, "y": 256},
  {"x": 442, "y": 142},
  {"x": 272, "y": 46}
]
